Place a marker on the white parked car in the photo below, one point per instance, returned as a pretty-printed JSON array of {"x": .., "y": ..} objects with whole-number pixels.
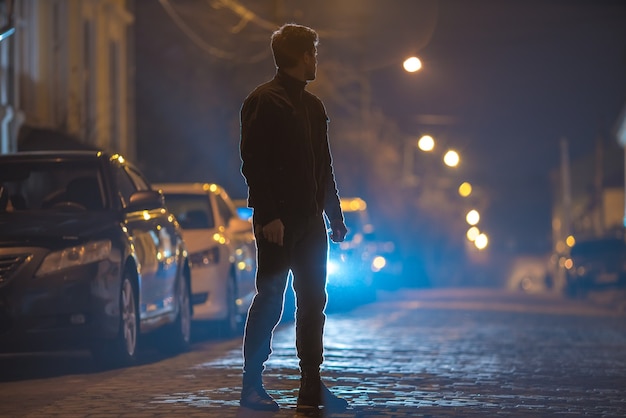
[{"x": 221, "y": 251}]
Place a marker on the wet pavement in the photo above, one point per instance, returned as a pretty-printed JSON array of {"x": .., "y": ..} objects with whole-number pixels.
[{"x": 429, "y": 353}]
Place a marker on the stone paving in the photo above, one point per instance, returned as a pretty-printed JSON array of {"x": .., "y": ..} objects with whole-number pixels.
[{"x": 447, "y": 353}]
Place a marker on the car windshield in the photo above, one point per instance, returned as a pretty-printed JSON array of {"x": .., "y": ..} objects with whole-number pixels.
[
  {"x": 50, "y": 185},
  {"x": 193, "y": 211}
]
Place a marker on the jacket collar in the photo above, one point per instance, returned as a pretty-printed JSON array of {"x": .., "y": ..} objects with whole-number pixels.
[{"x": 292, "y": 85}]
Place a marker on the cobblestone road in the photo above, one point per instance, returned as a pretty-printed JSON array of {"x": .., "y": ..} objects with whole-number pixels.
[{"x": 436, "y": 353}]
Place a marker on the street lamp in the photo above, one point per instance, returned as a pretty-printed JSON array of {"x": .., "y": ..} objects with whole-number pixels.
[
  {"x": 412, "y": 64},
  {"x": 481, "y": 241},
  {"x": 451, "y": 158},
  {"x": 465, "y": 189},
  {"x": 473, "y": 233},
  {"x": 472, "y": 217},
  {"x": 425, "y": 143}
]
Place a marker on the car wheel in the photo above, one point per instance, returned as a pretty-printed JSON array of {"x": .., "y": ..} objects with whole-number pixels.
[
  {"x": 178, "y": 334},
  {"x": 232, "y": 325},
  {"x": 123, "y": 350}
]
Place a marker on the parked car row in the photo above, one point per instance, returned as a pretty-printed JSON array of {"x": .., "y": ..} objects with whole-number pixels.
[{"x": 93, "y": 256}]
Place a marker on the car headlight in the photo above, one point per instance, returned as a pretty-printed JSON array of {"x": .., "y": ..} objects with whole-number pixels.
[
  {"x": 333, "y": 267},
  {"x": 75, "y": 256},
  {"x": 378, "y": 263}
]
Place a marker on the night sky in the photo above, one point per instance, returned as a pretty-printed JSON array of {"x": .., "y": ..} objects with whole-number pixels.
[{"x": 508, "y": 79}]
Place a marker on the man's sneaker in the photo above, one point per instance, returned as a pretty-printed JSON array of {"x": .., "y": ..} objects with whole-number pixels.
[
  {"x": 314, "y": 394},
  {"x": 255, "y": 397}
]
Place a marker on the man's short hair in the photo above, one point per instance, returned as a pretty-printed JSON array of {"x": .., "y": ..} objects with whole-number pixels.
[{"x": 290, "y": 42}]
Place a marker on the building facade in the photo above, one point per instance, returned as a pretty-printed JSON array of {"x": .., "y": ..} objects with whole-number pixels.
[
  {"x": 620, "y": 134},
  {"x": 589, "y": 197},
  {"x": 67, "y": 75}
]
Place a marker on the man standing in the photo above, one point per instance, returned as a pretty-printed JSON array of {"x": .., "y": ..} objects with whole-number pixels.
[{"x": 287, "y": 165}]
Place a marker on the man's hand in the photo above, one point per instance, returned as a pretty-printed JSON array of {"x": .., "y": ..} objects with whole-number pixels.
[
  {"x": 274, "y": 231},
  {"x": 338, "y": 230}
]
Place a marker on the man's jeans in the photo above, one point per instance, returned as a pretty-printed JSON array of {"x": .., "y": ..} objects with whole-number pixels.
[{"x": 305, "y": 253}]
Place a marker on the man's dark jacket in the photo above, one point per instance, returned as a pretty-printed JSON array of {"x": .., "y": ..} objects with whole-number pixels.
[{"x": 285, "y": 153}]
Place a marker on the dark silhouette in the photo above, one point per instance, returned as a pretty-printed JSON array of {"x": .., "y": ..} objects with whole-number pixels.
[{"x": 287, "y": 165}]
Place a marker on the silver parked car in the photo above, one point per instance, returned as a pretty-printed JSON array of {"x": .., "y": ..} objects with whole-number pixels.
[{"x": 221, "y": 249}]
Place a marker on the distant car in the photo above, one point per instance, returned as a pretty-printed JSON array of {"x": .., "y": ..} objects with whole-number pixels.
[
  {"x": 352, "y": 264},
  {"x": 89, "y": 258},
  {"x": 387, "y": 264},
  {"x": 596, "y": 264},
  {"x": 222, "y": 252}
]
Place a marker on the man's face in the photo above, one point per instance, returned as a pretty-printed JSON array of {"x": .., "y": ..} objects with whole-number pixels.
[{"x": 310, "y": 62}]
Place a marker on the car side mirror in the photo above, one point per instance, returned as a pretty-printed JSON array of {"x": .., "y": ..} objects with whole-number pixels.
[{"x": 145, "y": 200}]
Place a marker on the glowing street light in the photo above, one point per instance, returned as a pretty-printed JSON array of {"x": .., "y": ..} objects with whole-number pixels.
[
  {"x": 465, "y": 189},
  {"x": 472, "y": 217},
  {"x": 412, "y": 64},
  {"x": 426, "y": 143},
  {"x": 481, "y": 241},
  {"x": 451, "y": 158},
  {"x": 473, "y": 233}
]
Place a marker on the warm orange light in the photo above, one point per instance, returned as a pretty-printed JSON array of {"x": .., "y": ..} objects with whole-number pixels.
[
  {"x": 481, "y": 241},
  {"x": 465, "y": 189},
  {"x": 472, "y": 217},
  {"x": 473, "y": 233},
  {"x": 451, "y": 158},
  {"x": 353, "y": 205},
  {"x": 426, "y": 143},
  {"x": 412, "y": 64}
]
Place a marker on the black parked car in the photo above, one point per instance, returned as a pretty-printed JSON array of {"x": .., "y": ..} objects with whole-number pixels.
[
  {"x": 596, "y": 264},
  {"x": 89, "y": 258}
]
